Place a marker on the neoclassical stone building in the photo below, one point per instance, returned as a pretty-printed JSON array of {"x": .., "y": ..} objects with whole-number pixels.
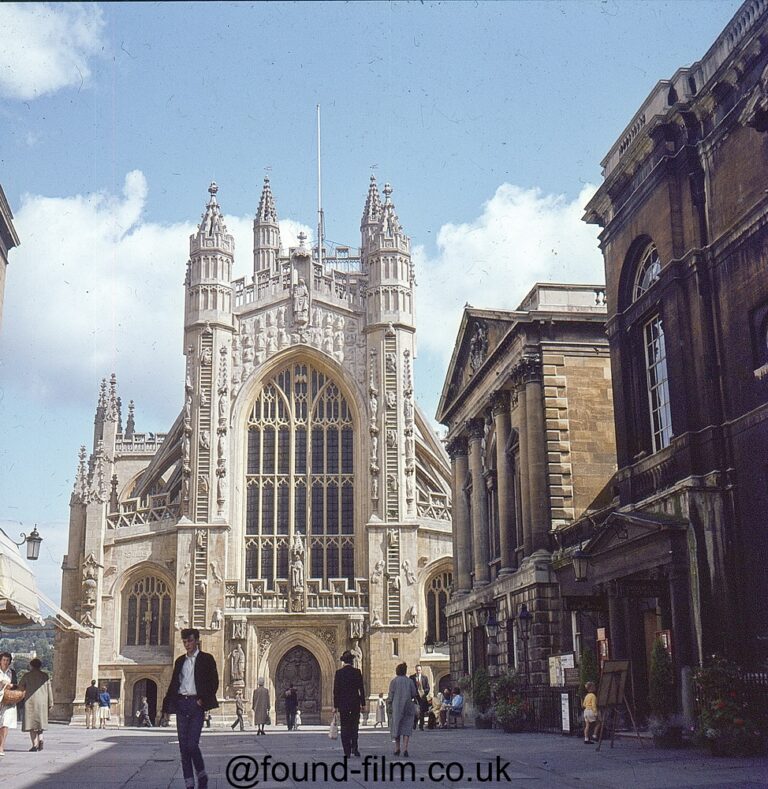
[
  {"x": 684, "y": 216},
  {"x": 8, "y": 240},
  {"x": 298, "y": 506},
  {"x": 528, "y": 405}
]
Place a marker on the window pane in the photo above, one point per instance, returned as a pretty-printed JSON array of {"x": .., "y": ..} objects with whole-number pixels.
[
  {"x": 267, "y": 558},
  {"x": 251, "y": 562},
  {"x": 332, "y": 509},
  {"x": 317, "y": 562},
  {"x": 132, "y": 617},
  {"x": 252, "y": 510},
  {"x": 300, "y": 518},
  {"x": 332, "y": 553},
  {"x": 332, "y": 451},
  {"x": 301, "y": 451},
  {"x": 165, "y": 621},
  {"x": 347, "y": 509},
  {"x": 268, "y": 510},
  {"x": 348, "y": 563},
  {"x": 282, "y": 509},
  {"x": 346, "y": 451},
  {"x": 318, "y": 450},
  {"x": 317, "y": 510},
  {"x": 282, "y": 562},
  {"x": 283, "y": 451},
  {"x": 254, "y": 450},
  {"x": 269, "y": 451}
]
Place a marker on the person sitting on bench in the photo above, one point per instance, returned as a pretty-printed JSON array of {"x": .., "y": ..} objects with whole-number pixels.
[{"x": 457, "y": 707}]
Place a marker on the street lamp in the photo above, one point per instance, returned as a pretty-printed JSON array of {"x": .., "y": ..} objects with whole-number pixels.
[
  {"x": 33, "y": 542},
  {"x": 580, "y": 564},
  {"x": 492, "y": 631},
  {"x": 524, "y": 630}
]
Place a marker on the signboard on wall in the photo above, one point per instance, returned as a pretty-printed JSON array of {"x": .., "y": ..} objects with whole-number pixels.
[
  {"x": 565, "y": 712},
  {"x": 557, "y": 666}
]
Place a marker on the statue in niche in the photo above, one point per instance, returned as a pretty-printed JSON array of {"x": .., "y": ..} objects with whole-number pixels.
[
  {"x": 411, "y": 617},
  {"x": 378, "y": 571},
  {"x": 478, "y": 347},
  {"x": 185, "y": 573},
  {"x": 409, "y": 574},
  {"x": 394, "y": 583},
  {"x": 390, "y": 360},
  {"x": 301, "y": 304},
  {"x": 391, "y": 399},
  {"x": 408, "y": 410},
  {"x": 202, "y": 586},
  {"x": 217, "y": 619},
  {"x": 392, "y": 483},
  {"x": 238, "y": 628},
  {"x": 215, "y": 572},
  {"x": 409, "y": 484},
  {"x": 297, "y": 564},
  {"x": 393, "y": 538},
  {"x": 204, "y": 399},
  {"x": 391, "y": 438},
  {"x": 281, "y": 317},
  {"x": 374, "y": 446},
  {"x": 237, "y": 664},
  {"x": 206, "y": 357},
  {"x": 200, "y": 538},
  {"x": 376, "y": 619},
  {"x": 205, "y": 439},
  {"x": 357, "y": 654},
  {"x": 187, "y": 409},
  {"x": 202, "y": 481},
  {"x": 375, "y": 486}
]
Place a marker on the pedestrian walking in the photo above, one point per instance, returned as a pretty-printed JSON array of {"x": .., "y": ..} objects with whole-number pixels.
[
  {"x": 381, "y": 711},
  {"x": 297, "y": 725},
  {"x": 91, "y": 705},
  {"x": 422, "y": 689},
  {"x": 105, "y": 702},
  {"x": 291, "y": 705},
  {"x": 403, "y": 695},
  {"x": 239, "y": 710},
  {"x": 260, "y": 707},
  {"x": 143, "y": 713},
  {"x": 8, "y": 717},
  {"x": 38, "y": 702},
  {"x": 348, "y": 700},
  {"x": 191, "y": 693}
]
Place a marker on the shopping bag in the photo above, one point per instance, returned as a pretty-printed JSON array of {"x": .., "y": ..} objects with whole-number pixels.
[{"x": 333, "y": 729}]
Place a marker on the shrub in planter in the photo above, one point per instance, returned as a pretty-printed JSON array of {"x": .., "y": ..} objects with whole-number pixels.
[
  {"x": 481, "y": 699},
  {"x": 513, "y": 713},
  {"x": 666, "y": 727}
]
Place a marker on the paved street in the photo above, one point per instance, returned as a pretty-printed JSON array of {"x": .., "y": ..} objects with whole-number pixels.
[{"x": 144, "y": 759}]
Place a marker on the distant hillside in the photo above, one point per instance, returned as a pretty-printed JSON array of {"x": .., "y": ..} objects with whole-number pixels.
[{"x": 31, "y": 638}]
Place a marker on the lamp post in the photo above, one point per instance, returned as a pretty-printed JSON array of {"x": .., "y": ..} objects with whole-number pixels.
[
  {"x": 32, "y": 540},
  {"x": 492, "y": 631},
  {"x": 524, "y": 630}
]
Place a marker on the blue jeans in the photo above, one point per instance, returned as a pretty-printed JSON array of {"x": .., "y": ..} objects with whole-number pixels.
[{"x": 189, "y": 724}]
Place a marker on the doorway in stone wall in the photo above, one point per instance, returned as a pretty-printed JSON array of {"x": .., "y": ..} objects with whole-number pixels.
[
  {"x": 299, "y": 667},
  {"x": 148, "y": 688}
]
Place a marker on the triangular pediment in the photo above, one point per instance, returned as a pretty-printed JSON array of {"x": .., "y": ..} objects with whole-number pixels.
[
  {"x": 480, "y": 334},
  {"x": 621, "y": 528}
]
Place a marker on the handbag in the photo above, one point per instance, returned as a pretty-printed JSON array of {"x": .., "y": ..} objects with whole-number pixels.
[
  {"x": 12, "y": 697},
  {"x": 333, "y": 729}
]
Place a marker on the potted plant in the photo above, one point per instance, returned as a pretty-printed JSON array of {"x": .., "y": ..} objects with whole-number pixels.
[
  {"x": 481, "y": 698},
  {"x": 587, "y": 668},
  {"x": 513, "y": 713},
  {"x": 665, "y": 726},
  {"x": 727, "y": 719}
]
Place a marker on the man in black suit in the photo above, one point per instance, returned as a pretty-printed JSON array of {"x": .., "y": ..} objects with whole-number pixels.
[
  {"x": 291, "y": 705},
  {"x": 422, "y": 686},
  {"x": 349, "y": 699},
  {"x": 190, "y": 695}
]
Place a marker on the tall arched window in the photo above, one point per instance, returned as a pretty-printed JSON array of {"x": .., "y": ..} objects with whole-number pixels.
[
  {"x": 438, "y": 589},
  {"x": 300, "y": 477},
  {"x": 657, "y": 377},
  {"x": 148, "y": 613}
]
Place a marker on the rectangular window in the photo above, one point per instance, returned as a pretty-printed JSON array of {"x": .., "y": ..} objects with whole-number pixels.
[
  {"x": 332, "y": 560},
  {"x": 283, "y": 450},
  {"x": 268, "y": 510},
  {"x": 317, "y": 509},
  {"x": 282, "y": 562},
  {"x": 254, "y": 450},
  {"x": 332, "y": 451},
  {"x": 318, "y": 450},
  {"x": 301, "y": 451},
  {"x": 658, "y": 384},
  {"x": 332, "y": 509},
  {"x": 317, "y": 561},
  {"x": 251, "y": 562},
  {"x": 267, "y": 558},
  {"x": 269, "y": 451},
  {"x": 576, "y": 632},
  {"x": 395, "y": 647},
  {"x": 282, "y": 509},
  {"x": 252, "y": 510},
  {"x": 346, "y": 450},
  {"x": 347, "y": 509},
  {"x": 348, "y": 564},
  {"x": 300, "y": 494}
]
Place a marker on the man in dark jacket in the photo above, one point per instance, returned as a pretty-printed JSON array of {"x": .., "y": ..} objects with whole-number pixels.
[
  {"x": 191, "y": 693},
  {"x": 291, "y": 705},
  {"x": 422, "y": 688},
  {"x": 91, "y": 705},
  {"x": 349, "y": 699}
]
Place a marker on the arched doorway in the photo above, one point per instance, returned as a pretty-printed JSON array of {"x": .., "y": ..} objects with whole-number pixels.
[
  {"x": 148, "y": 688},
  {"x": 299, "y": 667}
]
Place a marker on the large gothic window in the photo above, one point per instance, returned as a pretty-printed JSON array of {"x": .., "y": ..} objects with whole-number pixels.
[
  {"x": 438, "y": 589},
  {"x": 148, "y": 613},
  {"x": 300, "y": 477}
]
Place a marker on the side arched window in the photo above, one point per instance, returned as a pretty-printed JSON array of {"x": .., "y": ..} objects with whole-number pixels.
[
  {"x": 148, "y": 613},
  {"x": 437, "y": 591},
  {"x": 647, "y": 272}
]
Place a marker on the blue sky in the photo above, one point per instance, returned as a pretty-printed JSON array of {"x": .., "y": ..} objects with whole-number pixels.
[{"x": 489, "y": 119}]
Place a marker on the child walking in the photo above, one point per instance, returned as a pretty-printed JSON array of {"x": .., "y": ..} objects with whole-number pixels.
[
  {"x": 590, "y": 713},
  {"x": 381, "y": 712}
]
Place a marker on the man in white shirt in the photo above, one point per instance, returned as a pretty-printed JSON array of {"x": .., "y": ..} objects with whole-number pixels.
[{"x": 191, "y": 693}]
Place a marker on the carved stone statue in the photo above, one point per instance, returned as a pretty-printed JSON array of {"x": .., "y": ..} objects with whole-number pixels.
[
  {"x": 410, "y": 576},
  {"x": 217, "y": 619},
  {"x": 378, "y": 571},
  {"x": 411, "y": 617},
  {"x": 297, "y": 564},
  {"x": 301, "y": 304},
  {"x": 237, "y": 664},
  {"x": 376, "y": 619}
]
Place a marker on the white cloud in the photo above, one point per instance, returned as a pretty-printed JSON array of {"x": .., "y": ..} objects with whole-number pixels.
[
  {"x": 47, "y": 47},
  {"x": 521, "y": 237},
  {"x": 95, "y": 288}
]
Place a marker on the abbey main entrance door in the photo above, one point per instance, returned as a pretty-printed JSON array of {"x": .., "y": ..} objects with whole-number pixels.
[{"x": 299, "y": 668}]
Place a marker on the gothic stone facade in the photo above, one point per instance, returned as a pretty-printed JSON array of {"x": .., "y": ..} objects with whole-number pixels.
[
  {"x": 684, "y": 213},
  {"x": 528, "y": 405},
  {"x": 298, "y": 506}
]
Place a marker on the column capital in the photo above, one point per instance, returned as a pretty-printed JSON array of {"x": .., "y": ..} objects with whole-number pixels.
[
  {"x": 475, "y": 429},
  {"x": 527, "y": 369},
  {"x": 457, "y": 447},
  {"x": 499, "y": 402}
]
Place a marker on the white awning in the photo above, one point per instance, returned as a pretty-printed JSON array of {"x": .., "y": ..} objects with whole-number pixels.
[
  {"x": 19, "y": 604},
  {"x": 20, "y": 598}
]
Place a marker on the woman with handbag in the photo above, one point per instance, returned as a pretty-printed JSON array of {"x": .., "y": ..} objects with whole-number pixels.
[
  {"x": 39, "y": 702},
  {"x": 403, "y": 693},
  {"x": 8, "y": 698}
]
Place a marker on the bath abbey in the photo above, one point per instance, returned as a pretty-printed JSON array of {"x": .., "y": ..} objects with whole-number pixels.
[{"x": 298, "y": 506}]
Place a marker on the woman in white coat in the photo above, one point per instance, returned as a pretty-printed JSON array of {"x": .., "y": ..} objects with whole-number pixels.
[{"x": 402, "y": 693}]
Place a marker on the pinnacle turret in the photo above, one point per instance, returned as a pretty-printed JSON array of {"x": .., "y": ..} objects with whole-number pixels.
[
  {"x": 266, "y": 211},
  {"x": 390, "y": 224},
  {"x": 372, "y": 210},
  {"x": 212, "y": 222}
]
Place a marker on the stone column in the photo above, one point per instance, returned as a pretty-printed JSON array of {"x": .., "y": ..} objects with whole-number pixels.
[
  {"x": 480, "y": 546},
  {"x": 525, "y": 497},
  {"x": 462, "y": 560},
  {"x": 682, "y": 631},
  {"x": 537, "y": 457},
  {"x": 504, "y": 481},
  {"x": 617, "y": 642}
]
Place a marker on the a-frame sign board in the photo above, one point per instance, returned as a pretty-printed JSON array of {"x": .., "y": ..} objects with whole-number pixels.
[{"x": 611, "y": 696}]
